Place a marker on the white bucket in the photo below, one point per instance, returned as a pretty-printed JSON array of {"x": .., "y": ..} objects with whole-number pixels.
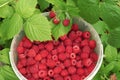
[{"x": 83, "y": 25}]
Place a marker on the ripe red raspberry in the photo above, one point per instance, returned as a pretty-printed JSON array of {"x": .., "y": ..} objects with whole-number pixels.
[
  {"x": 67, "y": 63},
  {"x": 94, "y": 56},
  {"x": 42, "y": 66},
  {"x": 75, "y": 77},
  {"x": 20, "y": 49},
  {"x": 41, "y": 46},
  {"x": 43, "y": 61},
  {"x": 27, "y": 43},
  {"x": 30, "y": 61},
  {"x": 52, "y": 14},
  {"x": 23, "y": 61},
  {"x": 42, "y": 73},
  {"x": 86, "y": 35},
  {"x": 55, "y": 57},
  {"x": 72, "y": 35},
  {"x": 80, "y": 71},
  {"x": 63, "y": 37},
  {"x": 92, "y": 44},
  {"x": 68, "y": 42},
  {"x": 72, "y": 55},
  {"x": 75, "y": 27},
  {"x": 66, "y": 22},
  {"x": 84, "y": 55},
  {"x": 78, "y": 40},
  {"x": 79, "y": 64},
  {"x": 49, "y": 46},
  {"x": 64, "y": 72},
  {"x": 79, "y": 33},
  {"x": 87, "y": 62},
  {"x": 57, "y": 70},
  {"x": 62, "y": 56},
  {"x": 58, "y": 63},
  {"x": 73, "y": 62},
  {"x": 69, "y": 49},
  {"x": 51, "y": 73},
  {"x": 34, "y": 68},
  {"x": 56, "y": 21},
  {"x": 47, "y": 78},
  {"x": 22, "y": 71},
  {"x": 54, "y": 52},
  {"x": 62, "y": 66},
  {"x": 72, "y": 70},
  {"x": 20, "y": 44},
  {"x": 86, "y": 49},
  {"x": 91, "y": 67},
  {"x": 84, "y": 42},
  {"x": 19, "y": 65},
  {"x": 44, "y": 53},
  {"x": 38, "y": 57},
  {"x": 35, "y": 75},
  {"x": 36, "y": 48},
  {"x": 31, "y": 53},
  {"x": 67, "y": 78},
  {"x": 82, "y": 77},
  {"x": 21, "y": 56},
  {"x": 56, "y": 43},
  {"x": 59, "y": 78},
  {"x": 49, "y": 56},
  {"x": 76, "y": 49},
  {"x": 51, "y": 63},
  {"x": 61, "y": 48}
]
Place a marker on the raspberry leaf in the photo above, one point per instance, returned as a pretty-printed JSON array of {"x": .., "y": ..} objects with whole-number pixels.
[
  {"x": 25, "y": 8},
  {"x": 4, "y": 2},
  {"x": 43, "y": 4},
  {"x": 38, "y": 27}
]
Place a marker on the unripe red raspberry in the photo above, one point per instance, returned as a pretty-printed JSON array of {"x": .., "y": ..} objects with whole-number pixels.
[
  {"x": 52, "y": 14},
  {"x": 66, "y": 22}
]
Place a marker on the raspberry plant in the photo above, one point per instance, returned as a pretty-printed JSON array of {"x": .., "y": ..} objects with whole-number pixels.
[{"x": 17, "y": 15}]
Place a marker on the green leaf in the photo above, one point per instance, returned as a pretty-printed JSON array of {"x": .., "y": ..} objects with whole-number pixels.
[
  {"x": 43, "y": 4},
  {"x": 89, "y": 10},
  {"x": 26, "y": 8},
  {"x": 4, "y": 2},
  {"x": 38, "y": 27},
  {"x": 11, "y": 27},
  {"x": 6, "y": 11},
  {"x": 110, "y": 14},
  {"x": 116, "y": 66},
  {"x": 97, "y": 77},
  {"x": 7, "y": 73},
  {"x": 118, "y": 75},
  {"x": 114, "y": 38},
  {"x": 1, "y": 77},
  {"x": 110, "y": 53}
]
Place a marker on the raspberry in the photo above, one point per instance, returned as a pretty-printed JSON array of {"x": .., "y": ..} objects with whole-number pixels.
[
  {"x": 52, "y": 14},
  {"x": 84, "y": 55},
  {"x": 20, "y": 44},
  {"x": 94, "y": 56},
  {"x": 43, "y": 61},
  {"x": 72, "y": 55},
  {"x": 49, "y": 46},
  {"x": 63, "y": 37},
  {"x": 38, "y": 57},
  {"x": 66, "y": 22},
  {"x": 78, "y": 40},
  {"x": 27, "y": 43},
  {"x": 61, "y": 48},
  {"x": 19, "y": 65},
  {"x": 42, "y": 73},
  {"x": 72, "y": 70},
  {"x": 62, "y": 66},
  {"x": 34, "y": 68},
  {"x": 23, "y": 61},
  {"x": 59, "y": 78},
  {"x": 20, "y": 49},
  {"x": 36, "y": 48},
  {"x": 21, "y": 56},
  {"x": 84, "y": 42},
  {"x": 42, "y": 66},
  {"x": 92, "y": 44},
  {"x": 58, "y": 63},
  {"x": 49, "y": 56},
  {"x": 75, "y": 27},
  {"x": 56, "y": 21},
  {"x": 47, "y": 78},
  {"x": 64, "y": 73},
  {"x": 67, "y": 63},
  {"x": 82, "y": 77},
  {"x": 86, "y": 35},
  {"x": 67, "y": 78},
  {"x": 51, "y": 63},
  {"x": 35, "y": 75},
  {"x": 80, "y": 71},
  {"x": 54, "y": 52},
  {"x": 75, "y": 77},
  {"x": 73, "y": 62},
  {"x": 72, "y": 35},
  {"x": 24, "y": 38},
  {"x": 41, "y": 46},
  {"x": 30, "y": 61},
  {"x": 79, "y": 64},
  {"x": 31, "y": 53},
  {"x": 76, "y": 49},
  {"x": 50, "y": 72},
  {"x": 56, "y": 43},
  {"x": 87, "y": 62},
  {"x": 22, "y": 71},
  {"x": 86, "y": 49},
  {"x": 57, "y": 70},
  {"x": 44, "y": 53},
  {"x": 69, "y": 49},
  {"x": 79, "y": 33},
  {"x": 55, "y": 57},
  {"x": 68, "y": 42},
  {"x": 91, "y": 67},
  {"x": 62, "y": 56}
]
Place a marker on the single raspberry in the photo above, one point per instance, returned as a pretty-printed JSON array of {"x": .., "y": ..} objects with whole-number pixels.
[
  {"x": 69, "y": 49},
  {"x": 36, "y": 48},
  {"x": 72, "y": 70},
  {"x": 21, "y": 56},
  {"x": 76, "y": 49},
  {"x": 72, "y": 35},
  {"x": 49, "y": 46},
  {"x": 79, "y": 64},
  {"x": 82, "y": 77},
  {"x": 41, "y": 46},
  {"x": 67, "y": 63},
  {"x": 31, "y": 53},
  {"x": 68, "y": 42},
  {"x": 92, "y": 44},
  {"x": 94, "y": 56},
  {"x": 75, "y": 77},
  {"x": 86, "y": 71},
  {"x": 57, "y": 70},
  {"x": 85, "y": 42},
  {"x": 72, "y": 55},
  {"x": 78, "y": 40},
  {"x": 51, "y": 63},
  {"x": 34, "y": 68},
  {"x": 62, "y": 66},
  {"x": 78, "y": 57},
  {"x": 42, "y": 73},
  {"x": 63, "y": 37},
  {"x": 87, "y": 62},
  {"x": 79, "y": 33},
  {"x": 19, "y": 65},
  {"x": 67, "y": 55},
  {"x": 49, "y": 56},
  {"x": 23, "y": 61},
  {"x": 43, "y": 53},
  {"x": 62, "y": 56},
  {"x": 80, "y": 71},
  {"x": 86, "y": 49},
  {"x": 22, "y": 71},
  {"x": 61, "y": 48},
  {"x": 84, "y": 55},
  {"x": 38, "y": 57},
  {"x": 73, "y": 62},
  {"x": 59, "y": 78},
  {"x": 66, "y": 22},
  {"x": 56, "y": 21},
  {"x": 51, "y": 73},
  {"x": 27, "y": 43},
  {"x": 47, "y": 78},
  {"x": 54, "y": 52},
  {"x": 55, "y": 57},
  {"x": 28, "y": 76},
  {"x": 24, "y": 38},
  {"x": 64, "y": 73},
  {"x": 52, "y": 14},
  {"x": 43, "y": 61},
  {"x": 91, "y": 67},
  {"x": 86, "y": 35},
  {"x": 31, "y": 78},
  {"x": 75, "y": 27},
  {"x": 56, "y": 43},
  {"x": 67, "y": 78},
  {"x": 58, "y": 63},
  {"x": 20, "y": 44},
  {"x": 30, "y": 61},
  {"x": 42, "y": 66},
  {"x": 35, "y": 75},
  {"x": 20, "y": 49}
]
